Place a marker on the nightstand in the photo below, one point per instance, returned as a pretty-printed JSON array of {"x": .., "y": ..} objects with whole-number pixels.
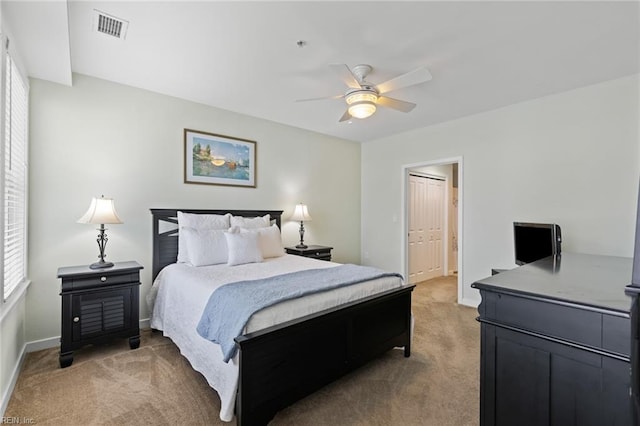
[
  {"x": 315, "y": 252},
  {"x": 98, "y": 305}
]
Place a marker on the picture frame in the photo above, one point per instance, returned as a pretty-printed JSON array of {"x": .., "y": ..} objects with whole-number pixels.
[{"x": 213, "y": 159}]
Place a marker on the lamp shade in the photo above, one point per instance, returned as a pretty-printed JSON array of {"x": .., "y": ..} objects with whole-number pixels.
[
  {"x": 101, "y": 210},
  {"x": 301, "y": 213}
]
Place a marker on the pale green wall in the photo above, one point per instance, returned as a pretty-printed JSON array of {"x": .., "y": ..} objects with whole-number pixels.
[
  {"x": 571, "y": 158},
  {"x": 99, "y": 138}
]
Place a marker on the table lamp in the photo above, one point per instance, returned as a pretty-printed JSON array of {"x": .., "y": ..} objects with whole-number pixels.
[
  {"x": 101, "y": 211},
  {"x": 301, "y": 214}
]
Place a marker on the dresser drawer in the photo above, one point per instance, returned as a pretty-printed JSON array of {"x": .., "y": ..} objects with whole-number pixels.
[
  {"x": 615, "y": 334},
  {"x": 572, "y": 324}
]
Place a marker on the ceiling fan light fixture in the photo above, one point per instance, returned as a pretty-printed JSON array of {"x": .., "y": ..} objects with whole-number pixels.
[
  {"x": 362, "y": 104},
  {"x": 361, "y": 95},
  {"x": 362, "y": 109}
]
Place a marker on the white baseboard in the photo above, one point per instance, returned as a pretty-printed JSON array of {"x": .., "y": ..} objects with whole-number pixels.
[
  {"x": 52, "y": 342},
  {"x": 38, "y": 345},
  {"x": 472, "y": 303},
  {"x": 12, "y": 383},
  {"x": 145, "y": 323}
]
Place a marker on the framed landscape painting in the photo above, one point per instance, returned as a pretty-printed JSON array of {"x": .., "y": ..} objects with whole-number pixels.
[{"x": 219, "y": 160}]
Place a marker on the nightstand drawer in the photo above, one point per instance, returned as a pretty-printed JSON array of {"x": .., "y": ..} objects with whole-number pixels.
[
  {"x": 321, "y": 254},
  {"x": 100, "y": 280},
  {"x": 314, "y": 252}
]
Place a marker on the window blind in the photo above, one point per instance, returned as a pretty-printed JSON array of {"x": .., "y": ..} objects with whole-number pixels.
[{"x": 15, "y": 178}]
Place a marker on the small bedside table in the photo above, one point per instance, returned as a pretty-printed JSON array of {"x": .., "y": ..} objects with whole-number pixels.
[
  {"x": 98, "y": 305},
  {"x": 316, "y": 252}
]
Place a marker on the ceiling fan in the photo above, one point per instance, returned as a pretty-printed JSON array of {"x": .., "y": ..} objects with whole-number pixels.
[{"x": 363, "y": 97}]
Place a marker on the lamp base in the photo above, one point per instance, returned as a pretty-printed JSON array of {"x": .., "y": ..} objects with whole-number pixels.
[
  {"x": 302, "y": 246},
  {"x": 101, "y": 264}
]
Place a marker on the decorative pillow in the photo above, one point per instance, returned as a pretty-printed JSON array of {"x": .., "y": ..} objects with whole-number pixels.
[
  {"x": 269, "y": 239},
  {"x": 198, "y": 221},
  {"x": 205, "y": 246},
  {"x": 251, "y": 222},
  {"x": 243, "y": 248}
]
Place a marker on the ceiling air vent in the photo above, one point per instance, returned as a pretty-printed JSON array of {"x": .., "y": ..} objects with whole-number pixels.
[{"x": 109, "y": 25}]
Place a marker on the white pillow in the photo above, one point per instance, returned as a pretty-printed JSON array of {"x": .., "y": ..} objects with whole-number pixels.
[
  {"x": 251, "y": 222},
  {"x": 269, "y": 239},
  {"x": 205, "y": 246},
  {"x": 198, "y": 221},
  {"x": 243, "y": 248}
]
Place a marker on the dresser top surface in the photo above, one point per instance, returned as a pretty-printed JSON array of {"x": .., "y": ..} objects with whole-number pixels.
[{"x": 584, "y": 279}]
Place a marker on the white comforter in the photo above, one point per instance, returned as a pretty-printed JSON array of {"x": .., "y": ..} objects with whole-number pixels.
[{"x": 180, "y": 293}]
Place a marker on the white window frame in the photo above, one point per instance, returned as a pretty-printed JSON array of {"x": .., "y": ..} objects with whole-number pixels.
[{"x": 8, "y": 301}]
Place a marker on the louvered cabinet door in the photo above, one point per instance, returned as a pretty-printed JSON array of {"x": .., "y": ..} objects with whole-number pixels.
[{"x": 100, "y": 313}]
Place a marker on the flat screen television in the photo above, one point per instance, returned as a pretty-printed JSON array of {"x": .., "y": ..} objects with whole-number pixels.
[{"x": 534, "y": 241}]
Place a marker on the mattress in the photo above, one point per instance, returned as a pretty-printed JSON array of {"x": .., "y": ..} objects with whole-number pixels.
[{"x": 180, "y": 293}]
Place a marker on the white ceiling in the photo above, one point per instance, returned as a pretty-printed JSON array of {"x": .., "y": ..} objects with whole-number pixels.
[{"x": 242, "y": 56}]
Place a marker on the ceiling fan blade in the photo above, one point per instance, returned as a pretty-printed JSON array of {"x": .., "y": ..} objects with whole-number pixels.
[
  {"x": 320, "y": 99},
  {"x": 345, "y": 117},
  {"x": 403, "y": 106},
  {"x": 411, "y": 78},
  {"x": 346, "y": 75}
]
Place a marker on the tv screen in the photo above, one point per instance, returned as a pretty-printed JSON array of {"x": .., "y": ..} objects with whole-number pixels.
[{"x": 534, "y": 241}]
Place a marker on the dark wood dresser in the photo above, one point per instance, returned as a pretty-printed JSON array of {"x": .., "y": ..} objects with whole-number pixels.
[
  {"x": 633, "y": 291},
  {"x": 98, "y": 305},
  {"x": 556, "y": 343}
]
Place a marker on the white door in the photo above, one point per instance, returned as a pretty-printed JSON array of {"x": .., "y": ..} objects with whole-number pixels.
[
  {"x": 417, "y": 228},
  {"x": 435, "y": 228}
]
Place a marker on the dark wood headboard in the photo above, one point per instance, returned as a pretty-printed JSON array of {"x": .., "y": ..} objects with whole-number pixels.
[{"x": 165, "y": 231}]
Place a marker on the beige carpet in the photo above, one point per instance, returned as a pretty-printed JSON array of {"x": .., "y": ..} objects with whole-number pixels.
[{"x": 437, "y": 385}]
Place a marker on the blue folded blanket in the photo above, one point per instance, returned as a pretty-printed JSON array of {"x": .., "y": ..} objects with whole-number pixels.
[{"x": 230, "y": 306}]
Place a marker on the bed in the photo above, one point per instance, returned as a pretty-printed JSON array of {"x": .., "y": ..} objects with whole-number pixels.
[{"x": 286, "y": 354}]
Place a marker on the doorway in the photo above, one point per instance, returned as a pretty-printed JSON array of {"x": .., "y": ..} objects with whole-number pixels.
[{"x": 432, "y": 212}]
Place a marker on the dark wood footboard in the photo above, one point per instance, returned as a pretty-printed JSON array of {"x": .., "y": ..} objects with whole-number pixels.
[{"x": 282, "y": 364}]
